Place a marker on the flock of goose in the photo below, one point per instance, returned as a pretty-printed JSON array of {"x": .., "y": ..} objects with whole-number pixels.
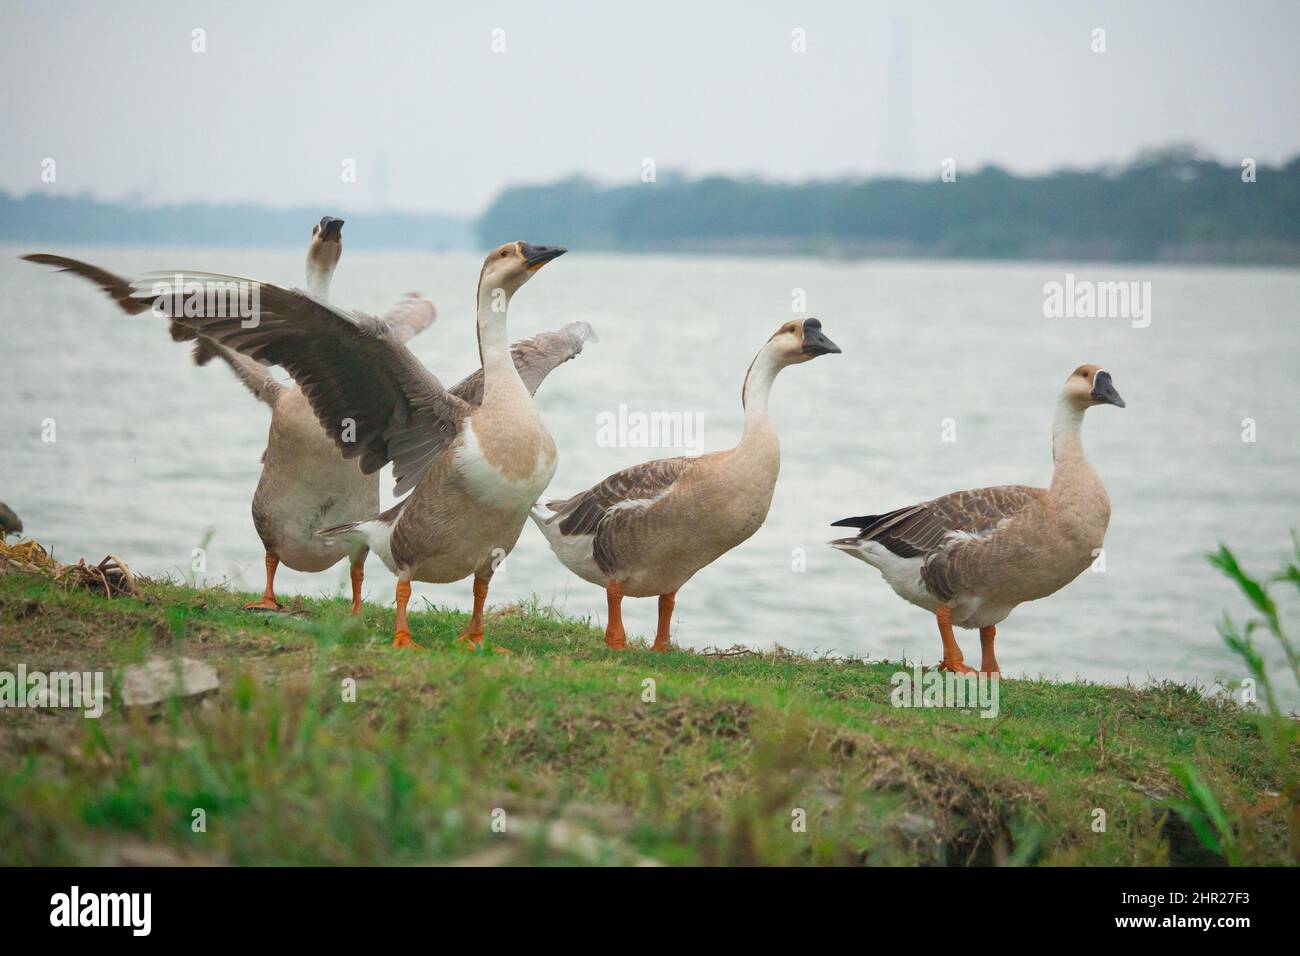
[{"x": 476, "y": 458}]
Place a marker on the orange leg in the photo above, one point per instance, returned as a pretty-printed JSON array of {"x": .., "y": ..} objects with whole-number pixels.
[
  {"x": 472, "y": 637},
  {"x": 666, "y": 603},
  {"x": 358, "y": 575},
  {"x": 952, "y": 659},
  {"x": 403, "y": 636},
  {"x": 988, "y": 663},
  {"x": 268, "y": 601},
  {"x": 615, "y": 636}
]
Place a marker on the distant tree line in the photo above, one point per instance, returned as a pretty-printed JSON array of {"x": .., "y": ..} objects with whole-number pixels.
[{"x": 1165, "y": 205}]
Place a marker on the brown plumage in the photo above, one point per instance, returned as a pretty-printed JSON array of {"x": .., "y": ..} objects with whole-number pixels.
[
  {"x": 647, "y": 530},
  {"x": 972, "y": 556},
  {"x": 305, "y": 484},
  {"x": 473, "y": 468}
]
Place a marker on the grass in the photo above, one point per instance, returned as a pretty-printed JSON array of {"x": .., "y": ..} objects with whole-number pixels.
[{"x": 556, "y": 753}]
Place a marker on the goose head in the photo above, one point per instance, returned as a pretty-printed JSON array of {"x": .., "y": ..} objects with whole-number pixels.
[
  {"x": 323, "y": 253},
  {"x": 799, "y": 341},
  {"x": 1090, "y": 385},
  {"x": 508, "y": 267}
]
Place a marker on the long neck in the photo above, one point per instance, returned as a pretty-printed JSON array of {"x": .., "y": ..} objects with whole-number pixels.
[
  {"x": 757, "y": 389},
  {"x": 1067, "y": 440},
  {"x": 499, "y": 370},
  {"x": 319, "y": 275}
]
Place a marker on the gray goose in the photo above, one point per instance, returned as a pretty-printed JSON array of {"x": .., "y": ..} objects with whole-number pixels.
[
  {"x": 971, "y": 557},
  {"x": 306, "y": 484},
  {"x": 646, "y": 530},
  {"x": 474, "y": 458}
]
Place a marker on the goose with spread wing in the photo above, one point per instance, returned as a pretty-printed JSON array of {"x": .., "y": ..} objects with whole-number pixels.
[
  {"x": 645, "y": 531},
  {"x": 971, "y": 557},
  {"x": 474, "y": 458},
  {"x": 306, "y": 484}
]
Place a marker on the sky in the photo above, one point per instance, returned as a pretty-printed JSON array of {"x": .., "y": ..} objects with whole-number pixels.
[{"x": 435, "y": 107}]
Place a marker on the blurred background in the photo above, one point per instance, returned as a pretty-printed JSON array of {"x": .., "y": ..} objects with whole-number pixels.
[{"x": 913, "y": 176}]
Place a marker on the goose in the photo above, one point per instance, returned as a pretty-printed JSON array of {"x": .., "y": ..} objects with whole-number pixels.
[
  {"x": 474, "y": 458},
  {"x": 10, "y": 523},
  {"x": 306, "y": 484},
  {"x": 646, "y": 530},
  {"x": 971, "y": 557}
]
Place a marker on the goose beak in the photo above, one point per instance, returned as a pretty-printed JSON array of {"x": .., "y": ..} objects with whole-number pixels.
[
  {"x": 814, "y": 342},
  {"x": 331, "y": 229},
  {"x": 1104, "y": 391},
  {"x": 537, "y": 256}
]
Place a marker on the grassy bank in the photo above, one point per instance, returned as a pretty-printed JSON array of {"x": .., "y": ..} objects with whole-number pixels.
[{"x": 556, "y": 741}]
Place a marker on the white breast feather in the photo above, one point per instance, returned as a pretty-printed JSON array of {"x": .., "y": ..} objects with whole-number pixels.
[{"x": 489, "y": 485}]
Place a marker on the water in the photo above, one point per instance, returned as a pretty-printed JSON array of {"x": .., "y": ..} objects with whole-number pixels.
[{"x": 152, "y": 453}]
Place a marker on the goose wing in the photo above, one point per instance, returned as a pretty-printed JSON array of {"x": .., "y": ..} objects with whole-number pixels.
[
  {"x": 611, "y": 511},
  {"x": 942, "y": 531},
  {"x": 534, "y": 358},
  {"x": 120, "y": 290},
  {"x": 369, "y": 392},
  {"x": 114, "y": 286},
  {"x": 412, "y": 314}
]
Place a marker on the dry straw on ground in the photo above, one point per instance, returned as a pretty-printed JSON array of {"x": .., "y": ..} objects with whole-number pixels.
[{"x": 111, "y": 577}]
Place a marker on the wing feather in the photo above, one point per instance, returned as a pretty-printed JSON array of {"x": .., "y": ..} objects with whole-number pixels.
[
  {"x": 369, "y": 392},
  {"x": 935, "y": 530},
  {"x": 534, "y": 358}
]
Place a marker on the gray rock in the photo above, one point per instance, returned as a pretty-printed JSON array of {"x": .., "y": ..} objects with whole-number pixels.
[{"x": 159, "y": 678}]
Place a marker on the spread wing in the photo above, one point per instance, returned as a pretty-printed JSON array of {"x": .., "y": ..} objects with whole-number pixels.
[
  {"x": 535, "y": 358},
  {"x": 937, "y": 530},
  {"x": 412, "y": 314},
  {"x": 115, "y": 287},
  {"x": 369, "y": 392}
]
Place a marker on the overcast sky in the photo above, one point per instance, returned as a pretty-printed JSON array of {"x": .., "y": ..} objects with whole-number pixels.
[{"x": 436, "y": 121}]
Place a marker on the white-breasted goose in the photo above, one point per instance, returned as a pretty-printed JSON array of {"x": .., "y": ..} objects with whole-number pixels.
[
  {"x": 473, "y": 467},
  {"x": 970, "y": 557},
  {"x": 306, "y": 484},
  {"x": 646, "y": 530}
]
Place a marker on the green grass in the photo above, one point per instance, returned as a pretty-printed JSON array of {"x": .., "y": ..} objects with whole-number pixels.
[{"x": 556, "y": 740}]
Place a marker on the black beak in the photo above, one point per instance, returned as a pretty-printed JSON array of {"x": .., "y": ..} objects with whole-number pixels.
[
  {"x": 537, "y": 256},
  {"x": 331, "y": 229},
  {"x": 814, "y": 342},
  {"x": 1104, "y": 391}
]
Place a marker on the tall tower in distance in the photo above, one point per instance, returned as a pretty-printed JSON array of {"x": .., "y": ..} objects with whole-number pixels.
[{"x": 896, "y": 154}]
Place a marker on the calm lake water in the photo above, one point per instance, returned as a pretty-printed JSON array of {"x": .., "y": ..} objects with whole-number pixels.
[{"x": 151, "y": 453}]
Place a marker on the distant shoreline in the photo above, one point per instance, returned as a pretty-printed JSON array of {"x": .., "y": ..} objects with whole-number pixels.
[{"x": 1167, "y": 207}]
